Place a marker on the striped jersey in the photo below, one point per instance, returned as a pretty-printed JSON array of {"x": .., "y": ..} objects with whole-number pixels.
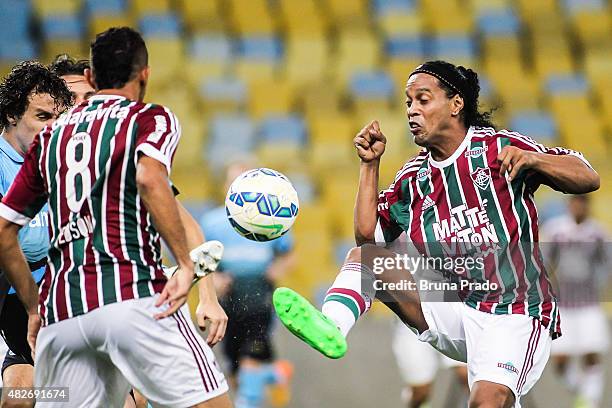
[
  {"x": 578, "y": 257},
  {"x": 463, "y": 206},
  {"x": 103, "y": 245}
]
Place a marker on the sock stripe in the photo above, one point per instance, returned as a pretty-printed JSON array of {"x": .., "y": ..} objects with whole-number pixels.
[
  {"x": 356, "y": 297},
  {"x": 346, "y": 302}
]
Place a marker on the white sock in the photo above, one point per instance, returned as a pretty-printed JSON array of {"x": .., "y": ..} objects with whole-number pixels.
[
  {"x": 350, "y": 296},
  {"x": 592, "y": 385}
]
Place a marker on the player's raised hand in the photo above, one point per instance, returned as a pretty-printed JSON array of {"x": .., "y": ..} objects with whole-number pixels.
[
  {"x": 513, "y": 160},
  {"x": 213, "y": 313},
  {"x": 176, "y": 290},
  {"x": 370, "y": 142},
  {"x": 33, "y": 328}
]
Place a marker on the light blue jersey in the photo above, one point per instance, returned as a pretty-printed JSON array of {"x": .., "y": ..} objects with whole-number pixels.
[
  {"x": 34, "y": 237},
  {"x": 242, "y": 258}
]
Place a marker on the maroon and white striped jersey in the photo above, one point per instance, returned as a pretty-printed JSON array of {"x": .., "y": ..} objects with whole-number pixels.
[
  {"x": 104, "y": 247},
  {"x": 577, "y": 255},
  {"x": 463, "y": 206}
]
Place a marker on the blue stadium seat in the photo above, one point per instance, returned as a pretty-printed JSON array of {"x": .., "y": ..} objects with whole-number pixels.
[
  {"x": 561, "y": 84},
  {"x": 224, "y": 89},
  {"x": 503, "y": 22},
  {"x": 213, "y": 48},
  {"x": 160, "y": 25},
  {"x": 62, "y": 26},
  {"x": 260, "y": 48},
  {"x": 536, "y": 124},
  {"x": 453, "y": 47},
  {"x": 17, "y": 50},
  {"x": 385, "y": 7},
  {"x": 576, "y": 6},
  {"x": 231, "y": 135},
  {"x": 406, "y": 47},
  {"x": 371, "y": 85},
  {"x": 283, "y": 129},
  {"x": 14, "y": 19},
  {"x": 106, "y": 7}
]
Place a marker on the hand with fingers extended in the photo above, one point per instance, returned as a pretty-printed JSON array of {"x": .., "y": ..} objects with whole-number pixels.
[
  {"x": 212, "y": 313},
  {"x": 370, "y": 142},
  {"x": 514, "y": 160},
  {"x": 176, "y": 290}
]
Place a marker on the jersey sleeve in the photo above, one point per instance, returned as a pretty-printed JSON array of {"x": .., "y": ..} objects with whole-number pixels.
[
  {"x": 27, "y": 194},
  {"x": 526, "y": 143},
  {"x": 387, "y": 229},
  {"x": 158, "y": 135}
]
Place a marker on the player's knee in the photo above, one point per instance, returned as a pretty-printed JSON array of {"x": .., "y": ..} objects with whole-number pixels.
[
  {"x": 491, "y": 395},
  {"x": 420, "y": 395},
  {"x": 353, "y": 255}
]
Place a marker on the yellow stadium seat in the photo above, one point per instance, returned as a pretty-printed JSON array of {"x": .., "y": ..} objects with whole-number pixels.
[
  {"x": 252, "y": 17},
  {"x": 501, "y": 49},
  {"x": 447, "y": 17},
  {"x": 347, "y": 9},
  {"x": 270, "y": 97},
  {"x": 551, "y": 62},
  {"x": 140, "y": 7},
  {"x": 593, "y": 29},
  {"x": 199, "y": 15},
  {"x": 198, "y": 71},
  {"x": 192, "y": 181},
  {"x": 98, "y": 24},
  {"x": 522, "y": 92},
  {"x": 279, "y": 156},
  {"x": 534, "y": 11},
  {"x": 584, "y": 134},
  {"x": 320, "y": 99},
  {"x": 253, "y": 71},
  {"x": 327, "y": 157},
  {"x": 357, "y": 51},
  {"x": 74, "y": 48},
  {"x": 401, "y": 24},
  {"x": 303, "y": 18},
  {"x": 598, "y": 66},
  {"x": 486, "y": 5},
  {"x": 166, "y": 58},
  {"x": 399, "y": 69},
  {"x": 49, "y": 7},
  {"x": 306, "y": 59},
  {"x": 324, "y": 128}
]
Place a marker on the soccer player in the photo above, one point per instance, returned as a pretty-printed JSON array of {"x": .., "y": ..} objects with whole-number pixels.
[
  {"x": 247, "y": 277},
  {"x": 31, "y": 97},
  {"x": 576, "y": 246},
  {"x": 468, "y": 193},
  {"x": 73, "y": 72},
  {"x": 110, "y": 318}
]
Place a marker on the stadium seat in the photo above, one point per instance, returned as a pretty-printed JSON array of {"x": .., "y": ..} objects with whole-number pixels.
[
  {"x": 447, "y": 17},
  {"x": 73, "y": 47},
  {"x": 160, "y": 25},
  {"x": 258, "y": 58},
  {"x": 230, "y": 136},
  {"x": 141, "y": 7},
  {"x": 18, "y": 50},
  {"x": 593, "y": 29},
  {"x": 537, "y": 12},
  {"x": 480, "y": 6},
  {"x": 320, "y": 98},
  {"x": 578, "y": 6},
  {"x": 357, "y": 51},
  {"x": 199, "y": 16},
  {"x": 371, "y": 91},
  {"x": 43, "y": 8},
  {"x": 223, "y": 93},
  {"x": 58, "y": 26},
  {"x": 303, "y": 18},
  {"x": 401, "y": 24},
  {"x": 270, "y": 97},
  {"x": 167, "y": 56},
  {"x": 399, "y": 69},
  {"x": 346, "y": 10},
  {"x": 209, "y": 55},
  {"x": 386, "y": 7},
  {"x": 498, "y": 22},
  {"x": 538, "y": 125},
  {"x": 520, "y": 94},
  {"x": 288, "y": 129},
  {"x": 100, "y": 23},
  {"x": 251, "y": 18},
  {"x": 16, "y": 15},
  {"x": 105, "y": 8},
  {"x": 460, "y": 50},
  {"x": 306, "y": 59}
]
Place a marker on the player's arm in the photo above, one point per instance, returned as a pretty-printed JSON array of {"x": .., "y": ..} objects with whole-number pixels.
[
  {"x": 208, "y": 308},
  {"x": 158, "y": 198},
  {"x": 566, "y": 172},
  {"x": 370, "y": 144}
]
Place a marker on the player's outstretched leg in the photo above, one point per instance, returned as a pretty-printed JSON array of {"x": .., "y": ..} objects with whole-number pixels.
[{"x": 349, "y": 298}]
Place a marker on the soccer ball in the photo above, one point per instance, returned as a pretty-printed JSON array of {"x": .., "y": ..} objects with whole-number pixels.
[{"x": 261, "y": 204}]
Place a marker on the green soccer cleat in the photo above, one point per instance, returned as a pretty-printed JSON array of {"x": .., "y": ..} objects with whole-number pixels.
[{"x": 307, "y": 323}]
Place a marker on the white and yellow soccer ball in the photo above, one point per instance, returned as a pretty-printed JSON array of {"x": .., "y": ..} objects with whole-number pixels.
[{"x": 261, "y": 204}]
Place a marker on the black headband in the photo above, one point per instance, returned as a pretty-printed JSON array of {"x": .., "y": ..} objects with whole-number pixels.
[{"x": 449, "y": 75}]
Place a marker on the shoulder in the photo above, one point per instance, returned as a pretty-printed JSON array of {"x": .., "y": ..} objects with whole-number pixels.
[{"x": 412, "y": 166}]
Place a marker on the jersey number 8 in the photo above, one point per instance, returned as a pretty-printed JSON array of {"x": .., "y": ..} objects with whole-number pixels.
[{"x": 78, "y": 177}]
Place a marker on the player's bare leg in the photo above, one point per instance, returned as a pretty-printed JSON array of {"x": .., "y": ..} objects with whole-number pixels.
[
  {"x": 486, "y": 394},
  {"x": 17, "y": 376},
  {"x": 349, "y": 297}
]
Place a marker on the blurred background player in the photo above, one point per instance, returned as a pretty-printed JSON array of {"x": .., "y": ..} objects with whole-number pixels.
[
  {"x": 247, "y": 276},
  {"x": 73, "y": 72},
  {"x": 31, "y": 97},
  {"x": 419, "y": 363},
  {"x": 576, "y": 246}
]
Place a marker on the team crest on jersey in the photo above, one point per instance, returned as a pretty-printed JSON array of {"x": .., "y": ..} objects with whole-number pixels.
[
  {"x": 482, "y": 177},
  {"x": 422, "y": 174},
  {"x": 476, "y": 152}
]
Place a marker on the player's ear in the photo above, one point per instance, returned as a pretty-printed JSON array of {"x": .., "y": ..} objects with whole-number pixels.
[
  {"x": 456, "y": 105},
  {"x": 12, "y": 121},
  {"x": 144, "y": 73},
  {"x": 90, "y": 78}
]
